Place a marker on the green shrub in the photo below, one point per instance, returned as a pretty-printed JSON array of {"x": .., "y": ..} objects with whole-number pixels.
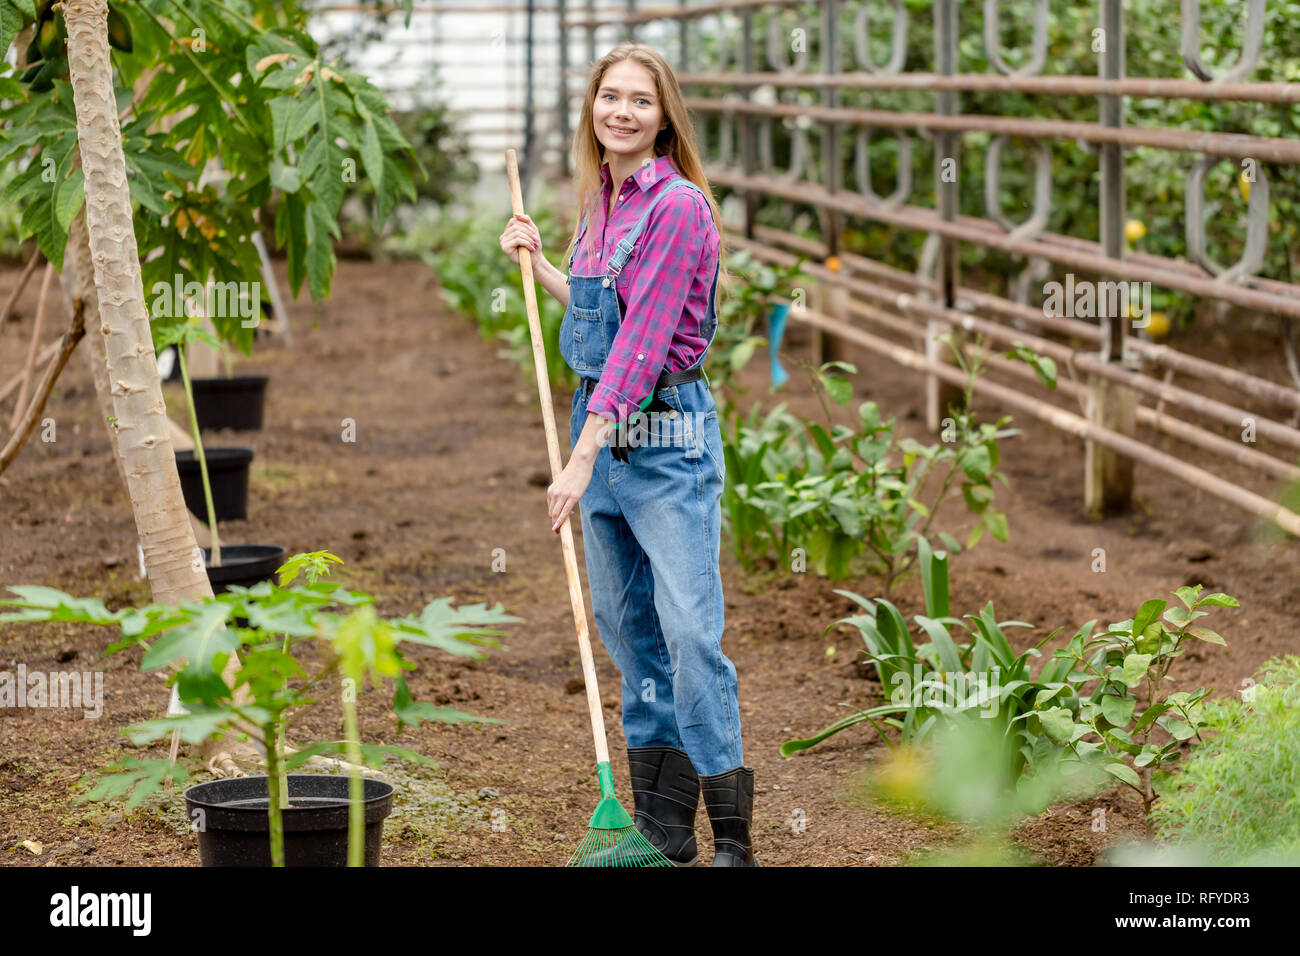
[
  {"x": 948, "y": 671},
  {"x": 1237, "y": 796},
  {"x": 866, "y": 491}
]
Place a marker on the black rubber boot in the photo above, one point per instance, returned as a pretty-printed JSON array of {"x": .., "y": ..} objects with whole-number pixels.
[
  {"x": 729, "y": 799},
  {"x": 666, "y": 793}
]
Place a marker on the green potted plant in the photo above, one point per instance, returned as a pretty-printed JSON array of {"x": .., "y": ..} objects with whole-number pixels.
[{"x": 279, "y": 818}]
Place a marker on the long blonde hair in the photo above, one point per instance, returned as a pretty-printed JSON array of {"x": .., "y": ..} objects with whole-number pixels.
[{"x": 677, "y": 140}]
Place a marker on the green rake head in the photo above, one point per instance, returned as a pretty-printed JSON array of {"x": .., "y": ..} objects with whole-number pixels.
[{"x": 612, "y": 839}]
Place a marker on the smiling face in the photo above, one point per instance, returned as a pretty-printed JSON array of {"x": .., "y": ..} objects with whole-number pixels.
[{"x": 627, "y": 114}]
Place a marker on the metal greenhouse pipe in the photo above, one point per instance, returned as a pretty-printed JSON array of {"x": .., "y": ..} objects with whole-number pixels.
[
  {"x": 1174, "y": 427},
  {"x": 1066, "y": 422},
  {"x": 910, "y": 217},
  {"x": 1160, "y": 354}
]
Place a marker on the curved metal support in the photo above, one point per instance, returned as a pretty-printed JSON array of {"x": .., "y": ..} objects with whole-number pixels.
[
  {"x": 726, "y": 135},
  {"x": 993, "y": 40},
  {"x": 777, "y": 45},
  {"x": 1036, "y": 271},
  {"x": 1250, "y": 44},
  {"x": 798, "y": 127},
  {"x": 898, "y": 41},
  {"x": 728, "y": 34},
  {"x": 926, "y": 264},
  {"x": 1042, "y": 208},
  {"x": 1252, "y": 257},
  {"x": 862, "y": 165}
]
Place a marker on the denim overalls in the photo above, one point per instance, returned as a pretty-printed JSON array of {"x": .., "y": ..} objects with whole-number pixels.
[{"x": 650, "y": 531}]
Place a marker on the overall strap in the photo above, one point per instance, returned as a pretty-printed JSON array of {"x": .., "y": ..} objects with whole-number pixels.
[
  {"x": 627, "y": 244},
  {"x": 582, "y": 231}
]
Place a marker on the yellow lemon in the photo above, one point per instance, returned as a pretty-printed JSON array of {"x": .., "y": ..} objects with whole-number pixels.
[
  {"x": 1158, "y": 326},
  {"x": 1134, "y": 230}
]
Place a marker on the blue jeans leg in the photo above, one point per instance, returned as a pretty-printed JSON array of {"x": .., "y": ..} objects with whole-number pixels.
[
  {"x": 670, "y": 495},
  {"x": 622, "y": 596}
]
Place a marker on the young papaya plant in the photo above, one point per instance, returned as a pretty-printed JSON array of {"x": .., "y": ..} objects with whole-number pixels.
[
  {"x": 277, "y": 683},
  {"x": 236, "y": 87}
]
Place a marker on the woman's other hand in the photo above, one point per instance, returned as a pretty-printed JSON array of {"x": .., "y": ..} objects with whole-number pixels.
[
  {"x": 566, "y": 491},
  {"x": 520, "y": 231}
]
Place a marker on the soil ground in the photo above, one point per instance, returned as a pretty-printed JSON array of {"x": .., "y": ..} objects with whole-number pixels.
[{"x": 450, "y": 464}]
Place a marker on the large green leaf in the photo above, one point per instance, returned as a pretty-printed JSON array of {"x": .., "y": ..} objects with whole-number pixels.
[
  {"x": 1118, "y": 710},
  {"x": 1135, "y": 669},
  {"x": 69, "y": 196},
  {"x": 40, "y": 603},
  {"x": 372, "y": 155},
  {"x": 949, "y": 655},
  {"x": 198, "y": 641},
  {"x": 11, "y": 22},
  {"x": 1122, "y": 771},
  {"x": 1058, "y": 723},
  {"x": 1149, "y": 612},
  {"x": 136, "y": 781}
]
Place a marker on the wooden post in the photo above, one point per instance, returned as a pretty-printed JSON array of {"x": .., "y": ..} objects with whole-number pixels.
[
  {"x": 941, "y": 395},
  {"x": 833, "y": 300},
  {"x": 1108, "y": 475}
]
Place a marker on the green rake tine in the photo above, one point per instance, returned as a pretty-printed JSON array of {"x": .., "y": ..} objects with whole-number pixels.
[{"x": 612, "y": 838}]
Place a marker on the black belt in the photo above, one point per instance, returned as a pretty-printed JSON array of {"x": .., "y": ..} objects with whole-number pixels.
[
  {"x": 618, "y": 447},
  {"x": 665, "y": 380}
]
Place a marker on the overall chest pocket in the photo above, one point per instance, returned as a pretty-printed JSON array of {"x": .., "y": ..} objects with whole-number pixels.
[{"x": 586, "y": 330}]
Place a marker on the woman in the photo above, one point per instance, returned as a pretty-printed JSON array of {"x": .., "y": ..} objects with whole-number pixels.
[{"x": 639, "y": 319}]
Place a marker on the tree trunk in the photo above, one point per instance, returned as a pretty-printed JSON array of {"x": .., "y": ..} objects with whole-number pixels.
[
  {"x": 172, "y": 559},
  {"x": 143, "y": 434},
  {"x": 78, "y": 282}
]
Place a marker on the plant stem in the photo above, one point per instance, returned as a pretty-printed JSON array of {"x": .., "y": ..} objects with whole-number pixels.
[
  {"x": 277, "y": 798},
  {"x": 181, "y": 349},
  {"x": 281, "y": 725},
  {"x": 356, "y": 789}
]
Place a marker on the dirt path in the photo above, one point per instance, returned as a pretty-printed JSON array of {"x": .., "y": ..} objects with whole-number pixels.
[{"x": 450, "y": 464}]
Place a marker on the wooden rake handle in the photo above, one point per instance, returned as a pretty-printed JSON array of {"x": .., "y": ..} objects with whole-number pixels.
[{"x": 553, "y": 450}]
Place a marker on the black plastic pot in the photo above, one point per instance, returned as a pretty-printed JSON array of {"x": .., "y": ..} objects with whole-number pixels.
[
  {"x": 230, "y": 402},
  {"x": 243, "y": 564},
  {"x": 230, "y": 816},
  {"x": 228, "y": 474},
  {"x": 167, "y": 363}
]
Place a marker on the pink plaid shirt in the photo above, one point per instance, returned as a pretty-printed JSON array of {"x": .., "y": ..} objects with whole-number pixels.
[{"x": 664, "y": 285}]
